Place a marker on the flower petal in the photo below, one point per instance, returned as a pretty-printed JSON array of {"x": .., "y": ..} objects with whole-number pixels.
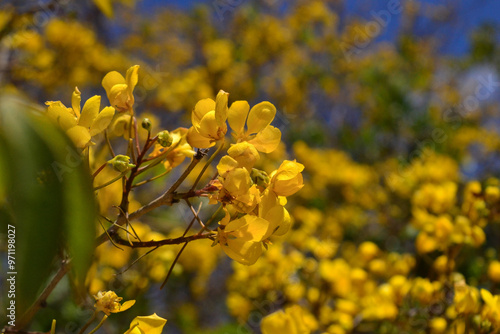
[
  {"x": 246, "y": 253},
  {"x": 132, "y": 77},
  {"x": 237, "y": 182},
  {"x": 285, "y": 225},
  {"x": 237, "y": 116},
  {"x": 245, "y": 154},
  {"x": 76, "y": 99},
  {"x": 208, "y": 126},
  {"x": 102, "y": 121},
  {"x": 90, "y": 111},
  {"x": 267, "y": 140},
  {"x": 226, "y": 164},
  {"x": 61, "y": 115},
  {"x": 487, "y": 297},
  {"x": 118, "y": 96},
  {"x": 288, "y": 178},
  {"x": 195, "y": 139},
  {"x": 201, "y": 109},
  {"x": 248, "y": 228},
  {"x": 260, "y": 116},
  {"x": 111, "y": 79},
  {"x": 278, "y": 322},
  {"x": 221, "y": 108},
  {"x": 151, "y": 324},
  {"x": 125, "y": 306},
  {"x": 79, "y": 135}
]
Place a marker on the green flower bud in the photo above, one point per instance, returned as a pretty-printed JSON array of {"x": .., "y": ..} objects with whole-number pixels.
[
  {"x": 146, "y": 124},
  {"x": 259, "y": 177},
  {"x": 121, "y": 163},
  {"x": 165, "y": 139}
]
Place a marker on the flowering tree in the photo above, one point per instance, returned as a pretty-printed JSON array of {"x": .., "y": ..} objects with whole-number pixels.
[{"x": 172, "y": 199}]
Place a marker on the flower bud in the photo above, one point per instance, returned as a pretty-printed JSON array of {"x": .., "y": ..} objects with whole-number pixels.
[
  {"x": 259, "y": 177},
  {"x": 121, "y": 163},
  {"x": 165, "y": 139},
  {"x": 146, "y": 124}
]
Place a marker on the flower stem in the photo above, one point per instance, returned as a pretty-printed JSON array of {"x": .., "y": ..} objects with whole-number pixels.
[
  {"x": 100, "y": 324},
  {"x": 110, "y": 182}
]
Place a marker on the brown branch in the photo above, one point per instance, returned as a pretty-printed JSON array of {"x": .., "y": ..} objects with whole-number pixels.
[
  {"x": 158, "y": 243},
  {"x": 166, "y": 199},
  {"x": 10, "y": 330}
]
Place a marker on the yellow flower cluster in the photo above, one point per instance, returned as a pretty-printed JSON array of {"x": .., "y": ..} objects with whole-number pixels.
[
  {"x": 346, "y": 284},
  {"x": 253, "y": 201}
]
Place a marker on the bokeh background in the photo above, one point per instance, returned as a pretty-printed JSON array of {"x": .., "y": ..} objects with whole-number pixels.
[{"x": 392, "y": 106}]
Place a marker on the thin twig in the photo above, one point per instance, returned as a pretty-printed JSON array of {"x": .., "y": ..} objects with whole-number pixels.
[
  {"x": 99, "y": 170},
  {"x": 110, "y": 181},
  {"x": 183, "y": 246},
  {"x": 209, "y": 161},
  {"x": 195, "y": 214},
  {"x": 109, "y": 144},
  {"x": 153, "y": 243},
  {"x": 151, "y": 179},
  {"x": 137, "y": 260},
  {"x": 137, "y": 147},
  {"x": 173, "y": 265},
  {"x": 110, "y": 239}
]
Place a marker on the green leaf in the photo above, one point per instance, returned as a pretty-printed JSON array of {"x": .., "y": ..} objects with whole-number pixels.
[
  {"x": 79, "y": 213},
  {"x": 49, "y": 196},
  {"x": 35, "y": 198}
]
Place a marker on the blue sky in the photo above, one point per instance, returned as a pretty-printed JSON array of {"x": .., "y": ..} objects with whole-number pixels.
[{"x": 465, "y": 16}]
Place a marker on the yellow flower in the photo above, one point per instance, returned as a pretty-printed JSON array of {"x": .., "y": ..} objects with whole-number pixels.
[
  {"x": 494, "y": 271},
  {"x": 109, "y": 302},
  {"x": 291, "y": 321},
  {"x": 438, "y": 325},
  {"x": 491, "y": 308},
  {"x": 368, "y": 251},
  {"x": 119, "y": 89},
  {"x": 178, "y": 150},
  {"x": 236, "y": 186},
  {"x": 271, "y": 210},
  {"x": 209, "y": 121},
  {"x": 80, "y": 124},
  {"x": 241, "y": 238},
  {"x": 466, "y": 298},
  {"x": 287, "y": 179},
  {"x": 263, "y": 136},
  {"x": 151, "y": 324},
  {"x": 245, "y": 154}
]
